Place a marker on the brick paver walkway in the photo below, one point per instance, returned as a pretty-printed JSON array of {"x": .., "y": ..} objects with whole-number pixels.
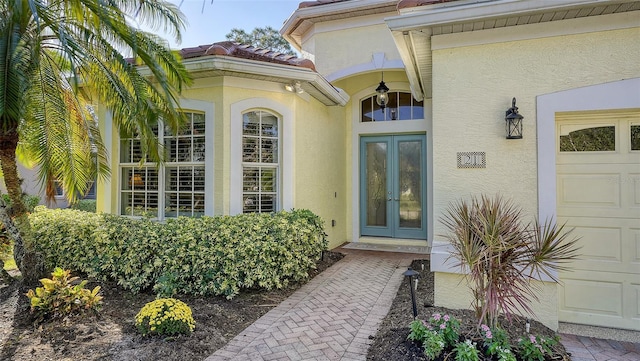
[
  {"x": 330, "y": 318},
  {"x": 595, "y": 349}
]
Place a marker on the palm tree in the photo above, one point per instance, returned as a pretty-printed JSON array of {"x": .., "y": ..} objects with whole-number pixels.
[{"x": 56, "y": 58}]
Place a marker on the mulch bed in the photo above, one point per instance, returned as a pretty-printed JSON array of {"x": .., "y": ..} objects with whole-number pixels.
[
  {"x": 111, "y": 335},
  {"x": 391, "y": 343}
]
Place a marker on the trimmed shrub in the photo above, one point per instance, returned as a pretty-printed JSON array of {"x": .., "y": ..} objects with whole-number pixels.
[
  {"x": 87, "y": 205},
  {"x": 201, "y": 256},
  {"x": 165, "y": 316}
]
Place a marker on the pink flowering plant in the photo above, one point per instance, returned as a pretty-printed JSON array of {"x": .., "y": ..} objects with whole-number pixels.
[
  {"x": 494, "y": 339},
  {"x": 432, "y": 341},
  {"x": 496, "y": 343},
  {"x": 419, "y": 330},
  {"x": 534, "y": 348},
  {"x": 446, "y": 325}
]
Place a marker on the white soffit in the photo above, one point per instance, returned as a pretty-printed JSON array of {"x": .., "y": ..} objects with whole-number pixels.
[{"x": 412, "y": 30}]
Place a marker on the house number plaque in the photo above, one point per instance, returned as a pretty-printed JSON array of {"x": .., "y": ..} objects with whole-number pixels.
[{"x": 472, "y": 160}]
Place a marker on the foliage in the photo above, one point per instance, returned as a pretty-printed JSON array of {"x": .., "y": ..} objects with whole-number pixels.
[
  {"x": 448, "y": 326},
  {"x": 6, "y": 244},
  {"x": 466, "y": 351},
  {"x": 437, "y": 334},
  {"x": 589, "y": 140},
  {"x": 502, "y": 255},
  {"x": 202, "y": 256},
  {"x": 534, "y": 348},
  {"x": 60, "y": 297},
  {"x": 505, "y": 354},
  {"x": 266, "y": 38},
  {"x": 494, "y": 339},
  {"x": 165, "y": 316},
  {"x": 30, "y": 201},
  {"x": 433, "y": 345},
  {"x": 419, "y": 330},
  {"x": 51, "y": 51},
  {"x": 496, "y": 344},
  {"x": 87, "y": 205}
]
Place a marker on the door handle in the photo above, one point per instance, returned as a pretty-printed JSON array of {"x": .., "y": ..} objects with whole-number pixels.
[
  {"x": 397, "y": 199},
  {"x": 389, "y": 199}
]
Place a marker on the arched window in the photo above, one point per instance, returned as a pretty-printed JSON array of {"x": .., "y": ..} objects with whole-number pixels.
[
  {"x": 260, "y": 162},
  {"x": 401, "y": 106}
]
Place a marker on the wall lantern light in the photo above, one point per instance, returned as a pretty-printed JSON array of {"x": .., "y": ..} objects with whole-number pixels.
[
  {"x": 382, "y": 98},
  {"x": 513, "y": 122},
  {"x": 410, "y": 274}
]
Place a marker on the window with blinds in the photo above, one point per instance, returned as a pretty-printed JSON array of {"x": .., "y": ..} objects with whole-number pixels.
[
  {"x": 175, "y": 188},
  {"x": 260, "y": 162}
]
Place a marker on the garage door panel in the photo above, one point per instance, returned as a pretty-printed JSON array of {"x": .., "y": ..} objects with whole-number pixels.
[
  {"x": 635, "y": 306},
  {"x": 588, "y": 190},
  {"x": 581, "y": 295},
  {"x": 635, "y": 251},
  {"x": 599, "y": 298},
  {"x": 611, "y": 248},
  {"x": 599, "y": 244},
  {"x": 598, "y": 194},
  {"x": 634, "y": 184}
]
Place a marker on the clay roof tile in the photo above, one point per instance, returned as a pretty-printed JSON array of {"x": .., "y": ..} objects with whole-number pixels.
[
  {"x": 245, "y": 51},
  {"x": 403, "y": 4}
]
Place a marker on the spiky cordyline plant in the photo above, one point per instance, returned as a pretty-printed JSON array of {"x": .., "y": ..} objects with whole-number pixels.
[{"x": 501, "y": 255}]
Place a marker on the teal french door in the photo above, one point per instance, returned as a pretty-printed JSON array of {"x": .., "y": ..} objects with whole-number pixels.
[{"x": 393, "y": 189}]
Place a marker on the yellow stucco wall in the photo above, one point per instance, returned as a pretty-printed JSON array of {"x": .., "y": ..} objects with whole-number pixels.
[
  {"x": 320, "y": 166},
  {"x": 318, "y": 154},
  {"x": 473, "y": 86},
  {"x": 452, "y": 292},
  {"x": 336, "y": 46}
]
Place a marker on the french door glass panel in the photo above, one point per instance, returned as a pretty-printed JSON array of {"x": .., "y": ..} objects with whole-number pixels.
[
  {"x": 393, "y": 186},
  {"x": 376, "y": 183},
  {"x": 409, "y": 185}
]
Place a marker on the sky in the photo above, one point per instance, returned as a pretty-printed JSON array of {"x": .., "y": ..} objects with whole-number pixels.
[{"x": 209, "y": 22}]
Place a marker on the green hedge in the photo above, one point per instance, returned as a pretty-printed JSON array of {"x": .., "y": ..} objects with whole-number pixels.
[
  {"x": 87, "y": 205},
  {"x": 208, "y": 255}
]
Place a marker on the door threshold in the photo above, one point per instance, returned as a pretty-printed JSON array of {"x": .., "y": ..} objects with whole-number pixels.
[{"x": 419, "y": 246}]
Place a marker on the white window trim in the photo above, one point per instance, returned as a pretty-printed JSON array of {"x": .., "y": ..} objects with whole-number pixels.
[
  {"x": 422, "y": 126},
  {"x": 188, "y": 105},
  {"x": 286, "y": 132},
  {"x": 619, "y": 95}
]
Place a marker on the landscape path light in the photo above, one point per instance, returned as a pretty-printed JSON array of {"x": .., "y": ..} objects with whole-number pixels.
[{"x": 410, "y": 274}]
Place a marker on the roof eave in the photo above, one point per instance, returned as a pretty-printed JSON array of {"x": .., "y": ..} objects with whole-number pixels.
[
  {"x": 425, "y": 16},
  {"x": 311, "y": 81},
  {"x": 404, "y": 45}
]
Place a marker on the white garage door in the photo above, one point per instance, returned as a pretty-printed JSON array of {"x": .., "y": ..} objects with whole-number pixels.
[{"x": 598, "y": 185}]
